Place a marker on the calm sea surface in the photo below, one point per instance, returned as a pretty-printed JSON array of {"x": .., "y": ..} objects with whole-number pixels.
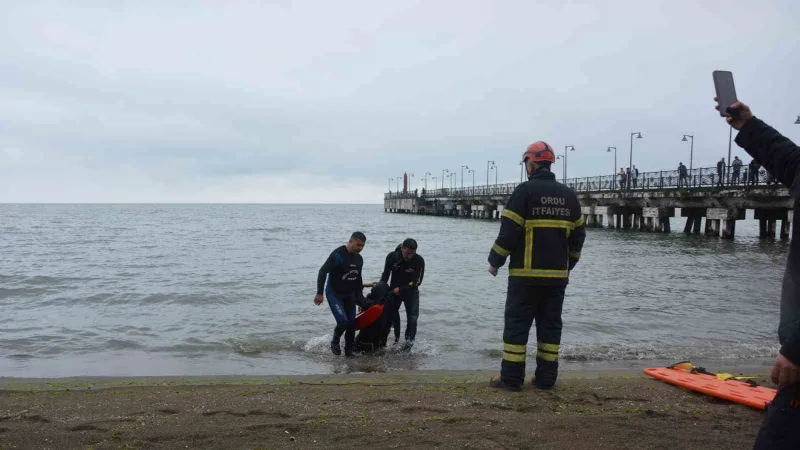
[{"x": 228, "y": 289}]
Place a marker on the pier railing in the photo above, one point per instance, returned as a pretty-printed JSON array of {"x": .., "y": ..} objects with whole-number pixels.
[{"x": 706, "y": 177}]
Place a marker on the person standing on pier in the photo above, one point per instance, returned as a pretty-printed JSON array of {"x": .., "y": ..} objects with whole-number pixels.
[
  {"x": 737, "y": 169},
  {"x": 542, "y": 230},
  {"x": 683, "y": 175},
  {"x": 781, "y": 158}
]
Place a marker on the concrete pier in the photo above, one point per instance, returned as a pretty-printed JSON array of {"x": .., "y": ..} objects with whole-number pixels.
[{"x": 647, "y": 208}]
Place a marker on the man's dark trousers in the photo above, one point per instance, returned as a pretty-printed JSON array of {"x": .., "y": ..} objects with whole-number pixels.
[{"x": 524, "y": 305}]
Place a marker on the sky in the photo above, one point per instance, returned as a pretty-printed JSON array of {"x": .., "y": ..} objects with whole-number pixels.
[{"x": 325, "y": 102}]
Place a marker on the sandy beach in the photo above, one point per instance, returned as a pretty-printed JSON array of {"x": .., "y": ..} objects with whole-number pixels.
[{"x": 436, "y": 409}]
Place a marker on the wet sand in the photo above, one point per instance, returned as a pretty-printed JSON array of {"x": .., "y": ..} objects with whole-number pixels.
[{"x": 437, "y": 409}]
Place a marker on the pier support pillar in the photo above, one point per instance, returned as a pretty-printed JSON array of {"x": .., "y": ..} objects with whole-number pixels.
[
  {"x": 712, "y": 227},
  {"x": 694, "y": 219},
  {"x": 786, "y": 225},
  {"x": 657, "y": 219},
  {"x": 728, "y": 217},
  {"x": 767, "y": 220},
  {"x": 478, "y": 211},
  {"x": 609, "y": 212},
  {"x": 588, "y": 215}
]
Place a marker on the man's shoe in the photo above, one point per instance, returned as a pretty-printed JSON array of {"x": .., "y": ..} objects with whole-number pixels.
[
  {"x": 407, "y": 346},
  {"x": 497, "y": 382},
  {"x": 336, "y": 349}
]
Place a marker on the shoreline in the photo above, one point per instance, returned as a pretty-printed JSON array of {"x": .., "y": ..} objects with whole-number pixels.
[
  {"x": 568, "y": 371},
  {"x": 607, "y": 409}
]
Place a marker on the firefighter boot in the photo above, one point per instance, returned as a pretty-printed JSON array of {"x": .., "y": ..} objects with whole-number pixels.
[{"x": 546, "y": 374}]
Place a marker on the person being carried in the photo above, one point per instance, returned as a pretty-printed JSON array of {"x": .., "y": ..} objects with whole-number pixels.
[
  {"x": 780, "y": 157},
  {"x": 372, "y": 337},
  {"x": 407, "y": 268},
  {"x": 542, "y": 230},
  {"x": 344, "y": 290}
]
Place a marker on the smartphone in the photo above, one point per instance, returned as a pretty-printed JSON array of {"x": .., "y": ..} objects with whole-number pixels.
[{"x": 726, "y": 91}]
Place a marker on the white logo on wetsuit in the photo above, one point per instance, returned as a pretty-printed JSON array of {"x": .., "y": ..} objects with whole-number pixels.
[{"x": 351, "y": 275}]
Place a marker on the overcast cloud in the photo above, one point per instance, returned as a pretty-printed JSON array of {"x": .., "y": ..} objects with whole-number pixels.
[{"x": 179, "y": 101}]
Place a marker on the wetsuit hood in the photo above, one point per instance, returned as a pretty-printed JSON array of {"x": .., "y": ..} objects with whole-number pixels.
[{"x": 377, "y": 294}]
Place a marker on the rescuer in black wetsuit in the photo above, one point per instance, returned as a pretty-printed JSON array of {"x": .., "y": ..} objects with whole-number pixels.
[
  {"x": 344, "y": 290},
  {"x": 407, "y": 268},
  {"x": 542, "y": 231}
]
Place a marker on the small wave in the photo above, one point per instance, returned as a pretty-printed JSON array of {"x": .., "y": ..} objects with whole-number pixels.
[
  {"x": 258, "y": 346},
  {"x": 645, "y": 352},
  {"x": 187, "y": 299},
  {"x": 122, "y": 344},
  {"x": 22, "y": 292},
  {"x": 320, "y": 345},
  {"x": 268, "y": 229}
]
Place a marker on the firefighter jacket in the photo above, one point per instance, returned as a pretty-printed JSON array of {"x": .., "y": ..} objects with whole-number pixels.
[{"x": 542, "y": 230}]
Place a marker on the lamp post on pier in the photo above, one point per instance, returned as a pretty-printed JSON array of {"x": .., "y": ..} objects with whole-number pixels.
[
  {"x": 462, "y": 175},
  {"x": 410, "y": 176},
  {"x": 390, "y": 184},
  {"x": 473, "y": 180},
  {"x": 488, "y": 168},
  {"x": 630, "y": 160},
  {"x": 691, "y": 149},
  {"x": 608, "y": 150},
  {"x": 426, "y": 180},
  {"x": 571, "y": 149}
]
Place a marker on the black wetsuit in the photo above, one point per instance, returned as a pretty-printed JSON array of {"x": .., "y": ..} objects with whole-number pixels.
[
  {"x": 406, "y": 276},
  {"x": 344, "y": 290}
]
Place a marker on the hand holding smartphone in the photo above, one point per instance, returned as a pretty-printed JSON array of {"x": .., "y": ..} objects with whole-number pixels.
[{"x": 726, "y": 93}]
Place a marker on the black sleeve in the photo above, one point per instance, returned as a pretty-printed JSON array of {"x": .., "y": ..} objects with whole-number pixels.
[
  {"x": 421, "y": 270},
  {"x": 577, "y": 236},
  {"x": 778, "y": 155},
  {"x": 512, "y": 227},
  {"x": 387, "y": 268},
  {"x": 324, "y": 271}
]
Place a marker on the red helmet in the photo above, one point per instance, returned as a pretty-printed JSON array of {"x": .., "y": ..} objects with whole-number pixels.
[{"x": 539, "y": 151}]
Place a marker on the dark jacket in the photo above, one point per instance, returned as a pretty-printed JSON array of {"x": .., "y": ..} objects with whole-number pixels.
[
  {"x": 373, "y": 337},
  {"x": 406, "y": 275},
  {"x": 542, "y": 230},
  {"x": 345, "y": 273},
  {"x": 781, "y": 157}
]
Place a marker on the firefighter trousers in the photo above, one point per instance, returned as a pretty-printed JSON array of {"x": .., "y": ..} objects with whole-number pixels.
[{"x": 524, "y": 305}]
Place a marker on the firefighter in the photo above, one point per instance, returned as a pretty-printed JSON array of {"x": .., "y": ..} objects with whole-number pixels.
[{"x": 542, "y": 230}]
